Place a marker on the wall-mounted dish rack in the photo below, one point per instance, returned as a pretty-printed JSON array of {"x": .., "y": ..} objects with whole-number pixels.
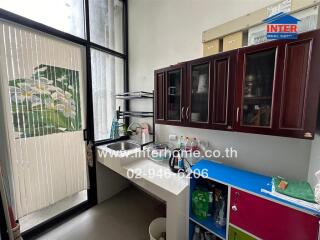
[{"x": 138, "y": 114}]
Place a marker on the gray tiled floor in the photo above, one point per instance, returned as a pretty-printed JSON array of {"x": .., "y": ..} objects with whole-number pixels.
[
  {"x": 123, "y": 217},
  {"x": 42, "y": 215}
]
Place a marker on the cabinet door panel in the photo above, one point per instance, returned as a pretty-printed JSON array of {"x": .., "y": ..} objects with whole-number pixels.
[
  {"x": 258, "y": 83},
  {"x": 296, "y": 76},
  {"x": 198, "y": 92},
  {"x": 160, "y": 96},
  {"x": 175, "y": 95},
  {"x": 258, "y": 88},
  {"x": 269, "y": 220},
  {"x": 200, "y": 82},
  {"x": 221, "y": 91},
  {"x": 300, "y": 87},
  {"x": 224, "y": 66},
  {"x": 169, "y": 86}
]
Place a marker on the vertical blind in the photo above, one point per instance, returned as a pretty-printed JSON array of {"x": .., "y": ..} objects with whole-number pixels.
[{"x": 41, "y": 89}]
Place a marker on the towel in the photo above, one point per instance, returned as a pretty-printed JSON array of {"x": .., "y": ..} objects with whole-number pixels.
[{"x": 296, "y": 189}]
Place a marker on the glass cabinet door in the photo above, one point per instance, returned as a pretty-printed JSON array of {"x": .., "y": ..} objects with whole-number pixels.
[
  {"x": 174, "y": 95},
  {"x": 258, "y": 88},
  {"x": 199, "y": 93}
]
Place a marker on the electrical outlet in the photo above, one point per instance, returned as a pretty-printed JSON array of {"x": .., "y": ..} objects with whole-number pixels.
[{"x": 173, "y": 137}]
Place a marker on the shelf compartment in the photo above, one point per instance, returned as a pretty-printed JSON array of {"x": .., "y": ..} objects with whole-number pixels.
[
  {"x": 210, "y": 226},
  {"x": 208, "y": 223}
]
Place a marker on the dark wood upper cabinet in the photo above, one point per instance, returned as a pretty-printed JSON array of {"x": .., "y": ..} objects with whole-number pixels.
[
  {"x": 223, "y": 90},
  {"x": 271, "y": 88},
  {"x": 298, "y": 101}
]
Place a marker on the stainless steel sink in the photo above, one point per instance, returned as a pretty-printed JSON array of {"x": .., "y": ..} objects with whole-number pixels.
[{"x": 123, "y": 146}]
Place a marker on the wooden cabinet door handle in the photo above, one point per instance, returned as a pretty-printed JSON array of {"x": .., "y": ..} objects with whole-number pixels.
[
  {"x": 187, "y": 113},
  {"x": 182, "y": 111},
  {"x": 238, "y": 110}
]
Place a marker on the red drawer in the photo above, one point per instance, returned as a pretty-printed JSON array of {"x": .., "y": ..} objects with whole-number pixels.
[{"x": 269, "y": 220}]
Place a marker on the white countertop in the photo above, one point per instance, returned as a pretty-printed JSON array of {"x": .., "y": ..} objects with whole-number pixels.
[
  {"x": 158, "y": 174},
  {"x": 157, "y": 179},
  {"x": 132, "y": 167}
]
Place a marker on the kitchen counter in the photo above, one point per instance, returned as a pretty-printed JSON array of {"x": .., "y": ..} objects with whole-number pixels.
[{"x": 157, "y": 179}]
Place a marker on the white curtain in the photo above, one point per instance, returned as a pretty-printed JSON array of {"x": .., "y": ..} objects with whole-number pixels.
[
  {"x": 42, "y": 95},
  {"x": 107, "y": 70}
]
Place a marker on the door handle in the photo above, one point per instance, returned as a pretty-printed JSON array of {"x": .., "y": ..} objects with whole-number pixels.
[
  {"x": 236, "y": 198},
  {"x": 234, "y": 208},
  {"x": 187, "y": 113},
  {"x": 238, "y": 110},
  {"x": 182, "y": 110}
]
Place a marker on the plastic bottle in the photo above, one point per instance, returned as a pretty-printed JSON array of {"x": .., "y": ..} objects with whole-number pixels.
[
  {"x": 194, "y": 145},
  {"x": 211, "y": 190},
  {"x": 210, "y": 210},
  {"x": 188, "y": 144},
  {"x": 181, "y": 142},
  {"x": 197, "y": 233}
]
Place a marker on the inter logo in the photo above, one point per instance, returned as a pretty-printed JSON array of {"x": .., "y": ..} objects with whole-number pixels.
[{"x": 282, "y": 26}]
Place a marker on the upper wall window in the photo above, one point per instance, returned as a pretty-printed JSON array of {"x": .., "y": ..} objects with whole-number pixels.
[
  {"x": 64, "y": 15},
  {"x": 106, "y": 19}
]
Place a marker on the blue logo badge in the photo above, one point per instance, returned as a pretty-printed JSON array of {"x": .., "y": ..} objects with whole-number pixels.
[{"x": 282, "y": 26}]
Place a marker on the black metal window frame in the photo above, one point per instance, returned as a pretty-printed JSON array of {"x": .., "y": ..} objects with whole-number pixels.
[{"x": 89, "y": 132}]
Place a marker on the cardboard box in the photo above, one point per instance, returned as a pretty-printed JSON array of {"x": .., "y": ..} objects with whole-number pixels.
[
  {"x": 233, "y": 41},
  {"x": 211, "y": 47}
]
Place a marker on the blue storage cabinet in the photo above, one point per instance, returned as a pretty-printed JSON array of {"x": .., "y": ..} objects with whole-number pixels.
[
  {"x": 207, "y": 224},
  {"x": 235, "y": 178}
]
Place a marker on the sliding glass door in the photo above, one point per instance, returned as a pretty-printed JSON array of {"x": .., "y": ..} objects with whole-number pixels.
[
  {"x": 43, "y": 96},
  {"x": 61, "y": 65}
]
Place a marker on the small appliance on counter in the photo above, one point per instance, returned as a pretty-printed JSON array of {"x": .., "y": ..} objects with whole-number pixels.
[{"x": 177, "y": 162}]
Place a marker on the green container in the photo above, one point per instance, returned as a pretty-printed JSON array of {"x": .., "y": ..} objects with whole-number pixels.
[
  {"x": 236, "y": 234},
  {"x": 200, "y": 204}
]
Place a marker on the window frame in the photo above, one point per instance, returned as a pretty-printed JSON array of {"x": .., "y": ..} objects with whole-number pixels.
[{"x": 89, "y": 131}]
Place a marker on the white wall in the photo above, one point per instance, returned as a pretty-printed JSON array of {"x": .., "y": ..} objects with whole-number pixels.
[
  {"x": 268, "y": 155},
  {"x": 165, "y": 32}
]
